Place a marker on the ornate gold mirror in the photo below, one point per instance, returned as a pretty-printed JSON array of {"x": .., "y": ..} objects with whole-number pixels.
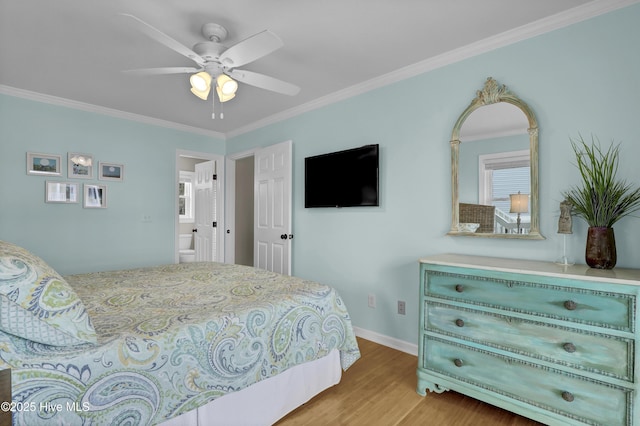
[{"x": 494, "y": 167}]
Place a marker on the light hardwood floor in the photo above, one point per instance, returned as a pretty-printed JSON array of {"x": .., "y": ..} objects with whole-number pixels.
[{"x": 380, "y": 389}]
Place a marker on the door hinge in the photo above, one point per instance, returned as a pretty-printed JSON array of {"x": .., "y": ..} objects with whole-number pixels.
[
  {"x": 215, "y": 177},
  {"x": 214, "y": 224}
]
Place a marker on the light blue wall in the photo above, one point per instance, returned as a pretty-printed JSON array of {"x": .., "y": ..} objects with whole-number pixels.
[
  {"x": 580, "y": 79},
  {"x": 73, "y": 239}
]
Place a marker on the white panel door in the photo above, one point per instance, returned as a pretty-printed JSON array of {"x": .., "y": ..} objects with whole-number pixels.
[
  {"x": 272, "y": 204},
  {"x": 205, "y": 235}
]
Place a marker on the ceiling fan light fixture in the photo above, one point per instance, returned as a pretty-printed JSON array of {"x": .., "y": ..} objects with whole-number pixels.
[
  {"x": 200, "y": 81},
  {"x": 222, "y": 97},
  {"x": 201, "y": 94},
  {"x": 226, "y": 85}
]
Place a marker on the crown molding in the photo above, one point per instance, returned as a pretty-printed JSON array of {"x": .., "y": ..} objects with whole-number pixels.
[
  {"x": 533, "y": 29},
  {"x": 542, "y": 26},
  {"x": 54, "y": 100}
]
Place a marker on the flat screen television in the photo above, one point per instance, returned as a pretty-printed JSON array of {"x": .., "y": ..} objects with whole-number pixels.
[{"x": 342, "y": 179}]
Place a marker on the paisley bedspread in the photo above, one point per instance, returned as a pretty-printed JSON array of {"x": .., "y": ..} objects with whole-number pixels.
[{"x": 172, "y": 338}]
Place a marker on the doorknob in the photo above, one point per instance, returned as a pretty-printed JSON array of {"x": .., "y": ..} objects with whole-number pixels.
[
  {"x": 194, "y": 230},
  {"x": 283, "y": 236}
]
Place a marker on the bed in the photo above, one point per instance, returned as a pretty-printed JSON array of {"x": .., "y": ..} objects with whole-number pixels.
[{"x": 180, "y": 344}]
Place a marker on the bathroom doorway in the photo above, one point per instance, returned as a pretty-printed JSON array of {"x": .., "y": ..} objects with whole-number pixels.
[{"x": 199, "y": 207}]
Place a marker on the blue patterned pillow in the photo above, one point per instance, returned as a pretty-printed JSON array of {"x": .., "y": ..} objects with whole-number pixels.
[{"x": 37, "y": 304}]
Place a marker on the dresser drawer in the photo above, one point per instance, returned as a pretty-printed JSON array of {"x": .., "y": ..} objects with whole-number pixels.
[
  {"x": 525, "y": 294},
  {"x": 594, "y": 352},
  {"x": 569, "y": 395}
]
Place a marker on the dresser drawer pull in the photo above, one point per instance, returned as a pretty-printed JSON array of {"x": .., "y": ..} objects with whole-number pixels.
[
  {"x": 567, "y": 396},
  {"x": 570, "y": 305},
  {"x": 459, "y": 288},
  {"x": 460, "y": 322},
  {"x": 457, "y": 362},
  {"x": 569, "y": 347}
]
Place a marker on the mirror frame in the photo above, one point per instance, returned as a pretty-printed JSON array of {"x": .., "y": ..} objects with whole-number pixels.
[{"x": 492, "y": 93}]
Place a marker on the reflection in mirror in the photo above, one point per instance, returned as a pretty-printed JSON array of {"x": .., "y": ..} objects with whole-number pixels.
[{"x": 494, "y": 167}]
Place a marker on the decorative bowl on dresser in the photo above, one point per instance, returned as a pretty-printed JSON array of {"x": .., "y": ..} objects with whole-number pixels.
[{"x": 553, "y": 343}]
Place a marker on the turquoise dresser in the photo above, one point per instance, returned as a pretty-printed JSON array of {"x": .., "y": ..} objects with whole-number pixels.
[{"x": 555, "y": 344}]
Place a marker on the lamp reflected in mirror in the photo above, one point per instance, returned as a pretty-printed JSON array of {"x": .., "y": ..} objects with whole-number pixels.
[{"x": 519, "y": 205}]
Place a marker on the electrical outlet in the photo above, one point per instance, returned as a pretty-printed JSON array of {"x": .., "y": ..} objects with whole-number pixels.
[
  {"x": 401, "y": 307},
  {"x": 372, "y": 300}
]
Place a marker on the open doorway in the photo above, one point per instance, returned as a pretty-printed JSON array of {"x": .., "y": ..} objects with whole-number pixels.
[
  {"x": 243, "y": 216},
  {"x": 199, "y": 205},
  {"x": 259, "y": 181},
  {"x": 239, "y": 242}
]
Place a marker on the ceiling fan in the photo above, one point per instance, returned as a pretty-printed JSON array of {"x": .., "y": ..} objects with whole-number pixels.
[{"x": 216, "y": 64}]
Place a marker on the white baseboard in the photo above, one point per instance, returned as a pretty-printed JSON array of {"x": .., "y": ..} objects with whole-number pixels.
[{"x": 391, "y": 342}]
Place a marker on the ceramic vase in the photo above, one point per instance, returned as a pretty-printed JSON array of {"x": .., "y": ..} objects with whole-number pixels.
[{"x": 600, "y": 252}]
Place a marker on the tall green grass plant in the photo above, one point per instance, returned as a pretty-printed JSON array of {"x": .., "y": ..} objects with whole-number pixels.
[{"x": 603, "y": 198}]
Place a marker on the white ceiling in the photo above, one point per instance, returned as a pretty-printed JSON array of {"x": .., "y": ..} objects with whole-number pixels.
[{"x": 76, "y": 49}]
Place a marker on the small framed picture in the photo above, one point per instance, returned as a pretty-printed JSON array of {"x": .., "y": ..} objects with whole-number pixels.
[
  {"x": 95, "y": 196},
  {"x": 110, "y": 171},
  {"x": 80, "y": 166},
  {"x": 43, "y": 164},
  {"x": 62, "y": 192}
]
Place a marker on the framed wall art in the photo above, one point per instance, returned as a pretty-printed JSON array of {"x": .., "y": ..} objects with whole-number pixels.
[
  {"x": 80, "y": 166},
  {"x": 110, "y": 171},
  {"x": 43, "y": 164},
  {"x": 62, "y": 192},
  {"x": 95, "y": 196}
]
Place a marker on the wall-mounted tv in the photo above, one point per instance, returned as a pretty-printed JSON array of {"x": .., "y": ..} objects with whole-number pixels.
[{"x": 342, "y": 179}]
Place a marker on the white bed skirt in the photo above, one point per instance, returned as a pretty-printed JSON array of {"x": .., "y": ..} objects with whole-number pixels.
[{"x": 267, "y": 401}]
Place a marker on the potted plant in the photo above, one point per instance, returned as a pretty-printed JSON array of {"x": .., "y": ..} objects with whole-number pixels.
[{"x": 601, "y": 200}]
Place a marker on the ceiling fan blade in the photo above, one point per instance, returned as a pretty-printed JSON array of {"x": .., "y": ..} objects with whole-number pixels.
[
  {"x": 250, "y": 49},
  {"x": 162, "y": 38},
  {"x": 163, "y": 70},
  {"x": 264, "y": 82}
]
